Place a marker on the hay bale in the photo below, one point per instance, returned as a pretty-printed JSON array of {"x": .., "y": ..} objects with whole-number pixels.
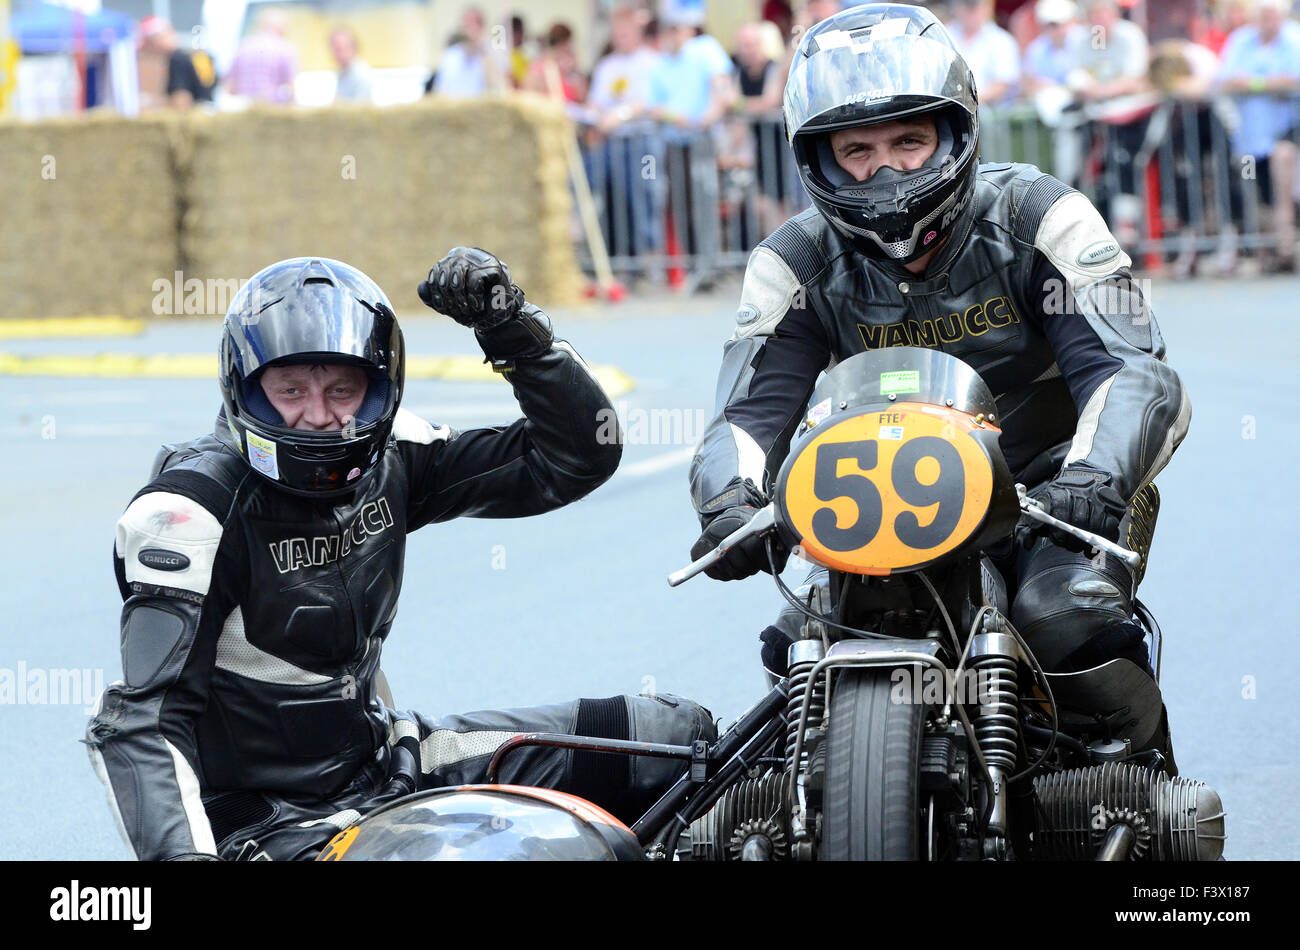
[
  {"x": 389, "y": 190},
  {"x": 91, "y": 215}
]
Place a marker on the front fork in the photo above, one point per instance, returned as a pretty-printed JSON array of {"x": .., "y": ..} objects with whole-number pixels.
[{"x": 994, "y": 658}]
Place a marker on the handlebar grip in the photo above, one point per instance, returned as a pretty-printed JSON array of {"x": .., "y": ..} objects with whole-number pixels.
[{"x": 762, "y": 522}]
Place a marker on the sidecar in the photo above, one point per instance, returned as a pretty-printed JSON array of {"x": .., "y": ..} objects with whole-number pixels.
[{"x": 486, "y": 823}]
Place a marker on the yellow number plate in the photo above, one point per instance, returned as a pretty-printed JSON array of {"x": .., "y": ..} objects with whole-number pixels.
[{"x": 887, "y": 490}]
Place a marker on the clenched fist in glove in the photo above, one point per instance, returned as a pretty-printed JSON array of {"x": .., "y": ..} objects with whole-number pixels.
[
  {"x": 1082, "y": 495},
  {"x": 473, "y": 288}
]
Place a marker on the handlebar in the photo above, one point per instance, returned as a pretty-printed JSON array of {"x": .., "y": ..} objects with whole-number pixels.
[
  {"x": 761, "y": 523},
  {"x": 765, "y": 521},
  {"x": 1035, "y": 511}
]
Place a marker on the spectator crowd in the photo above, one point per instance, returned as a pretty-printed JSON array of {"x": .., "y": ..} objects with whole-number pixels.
[{"x": 684, "y": 149}]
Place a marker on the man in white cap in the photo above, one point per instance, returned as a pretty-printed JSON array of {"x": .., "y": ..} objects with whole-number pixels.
[
  {"x": 990, "y": 51},
  {"x": 1047, "y": 57}
]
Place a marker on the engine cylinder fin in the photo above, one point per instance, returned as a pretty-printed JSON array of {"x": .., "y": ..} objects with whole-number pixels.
[
  {"x": 1175, "y": 819},
  {"x": 748, "y": 806}
]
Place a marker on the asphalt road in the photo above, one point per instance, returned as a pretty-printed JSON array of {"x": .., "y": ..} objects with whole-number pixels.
[{"x": 498, "y": 613}]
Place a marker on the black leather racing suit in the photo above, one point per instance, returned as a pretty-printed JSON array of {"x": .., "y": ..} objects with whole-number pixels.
[
  {"x": 254, "y": 621},
  {"x": 1035, "y": 294}
]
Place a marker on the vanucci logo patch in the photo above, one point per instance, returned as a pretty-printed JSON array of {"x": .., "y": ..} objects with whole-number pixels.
[
  {"x": 292, "y": 554},
  {"x": 1098, "y": 253},
  {"x": 103, "y": 903},
  {"x": 161, "y": 560},
  {"x": 949, "y": 328}
]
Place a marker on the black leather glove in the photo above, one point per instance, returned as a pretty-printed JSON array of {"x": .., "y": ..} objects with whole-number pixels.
[
  {"x": 1082, "y": 495},
  {"x": 726, "y": 514},
  {"x": 473, "y": 288}
]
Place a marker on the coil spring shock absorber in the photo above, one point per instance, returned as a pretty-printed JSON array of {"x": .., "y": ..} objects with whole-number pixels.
[
  {"x": 804, "y": 655},
  {"x": 994, "y": 657}
]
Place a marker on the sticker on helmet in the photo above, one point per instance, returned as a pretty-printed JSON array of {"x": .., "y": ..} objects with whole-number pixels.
[
  {"x": 929, "y": 237},
  {"x": 261, "y": 455},
  {"x": 355, "y": 473}
]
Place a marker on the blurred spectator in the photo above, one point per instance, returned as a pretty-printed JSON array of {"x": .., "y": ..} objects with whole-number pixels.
[
  {"x": 1229, "y": 16},
  {"x": 1047, "y": 58},
  {"x": 744, "y": 137},
  {"x": 1109, "y": 75},
  {"x": 620, "y": 85},
  {"x": 755, "y": 70},
  {"x": 167, "y": 74},
  {"x": 518, "y": 53},
  {"x": 779, "y": 13},
  {"x": 558, "y": 61},
  {"x": 624, "y": 142},
  {"x": 690, "y": 91},
  {"x": 690, "y": 87},
  {"x": 265, "y": 64},
  {"x": 466, "y": 69},
  {"x": 1109, "y": 58},
  {"x": 1194, "y": 127},
  {"x": 354, "y": 82},
  {"x": 989, "y": 50},
  {"x": 205, "y": 68},
  {"x": 755, "y": 152},
  {"x": 814, "y": 11},
  {"x": 1261, "y": 67}
]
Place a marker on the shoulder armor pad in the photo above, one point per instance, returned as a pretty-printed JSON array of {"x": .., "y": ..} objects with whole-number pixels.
[
  {"x": 168, "y": 540},
  {"x": 205, "y": 470},
  {"x": 1034, "y": 194},
  {"x": 799, "y": 248}
]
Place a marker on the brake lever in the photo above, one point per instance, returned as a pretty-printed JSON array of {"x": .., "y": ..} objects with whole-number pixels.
[
  {"x": 761, "y": 523},
  {"x": 1035, "y": 511}
]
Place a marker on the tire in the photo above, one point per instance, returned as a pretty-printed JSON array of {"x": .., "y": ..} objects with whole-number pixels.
[{"x": 871, "y": 810}]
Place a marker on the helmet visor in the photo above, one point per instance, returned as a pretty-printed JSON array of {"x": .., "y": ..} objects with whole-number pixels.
[
  {"x": 312, "y": 321},
  {"x": 843, "y": 78}
]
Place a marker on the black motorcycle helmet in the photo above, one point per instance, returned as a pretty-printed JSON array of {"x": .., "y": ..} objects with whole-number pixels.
[
  {"x": 310, "y": 310},
  {"x": 870, "y": 64}
]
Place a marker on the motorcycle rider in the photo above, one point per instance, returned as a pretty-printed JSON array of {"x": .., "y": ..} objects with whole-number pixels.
[
  {"x": 261, "y": 566},
  {"x": 910, "y": 242}
]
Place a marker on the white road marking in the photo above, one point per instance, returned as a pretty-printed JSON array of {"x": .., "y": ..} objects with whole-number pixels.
[
  {"x": 657, "y": 463},
  {"x": 90, "y": 397}
]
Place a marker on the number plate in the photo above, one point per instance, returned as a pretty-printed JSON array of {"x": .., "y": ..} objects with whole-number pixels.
[{"x": 887, "y": 490}]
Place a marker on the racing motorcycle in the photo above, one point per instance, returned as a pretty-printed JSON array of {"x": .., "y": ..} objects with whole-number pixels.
[{"x": 914, "y": 722}]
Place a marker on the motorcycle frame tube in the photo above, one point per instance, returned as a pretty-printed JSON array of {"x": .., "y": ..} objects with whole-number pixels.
[
  {"x": 732, "y": 743},
  {"x": 657, "y": 750},
  {"x": 731, "y": 772}
]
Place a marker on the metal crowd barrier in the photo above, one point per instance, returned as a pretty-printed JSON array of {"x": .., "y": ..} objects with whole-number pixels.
[{"x": 682, "y": 208}]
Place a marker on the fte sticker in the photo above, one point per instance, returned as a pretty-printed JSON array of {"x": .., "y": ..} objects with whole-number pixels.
[
  {"x": 891, "y": 432},
  {"x": 261, "y": 455}
]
